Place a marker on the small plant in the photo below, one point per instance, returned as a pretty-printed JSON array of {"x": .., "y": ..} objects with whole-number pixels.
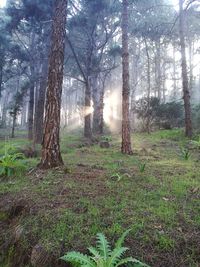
[
  {"x": 185, "y": 153},
  {"x": 11, "y": 164},
  {"x": 103, "y": 256},
  {"x": 196, "y": 143},
  {"x": 106, "y": 138},
  {"x": 142, "y": 166}
]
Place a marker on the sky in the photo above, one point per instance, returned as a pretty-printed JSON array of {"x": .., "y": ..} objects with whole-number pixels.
[{"x": 2, "y": 3}]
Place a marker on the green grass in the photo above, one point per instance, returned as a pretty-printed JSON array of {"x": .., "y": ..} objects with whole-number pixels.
[{"x": 72, "y": 206}]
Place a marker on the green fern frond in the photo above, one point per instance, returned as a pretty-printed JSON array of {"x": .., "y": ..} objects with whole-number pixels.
[
  {"x": 125, "y": 261},
  {"x": 120, "y": 241},
  {"x": 103, "y": 245},
  {"x": 116, "y": 255},
  {"x": 94, "y": 252},
  {"x": 77, "y": 257},
  {"x": 137, "y": 263}
]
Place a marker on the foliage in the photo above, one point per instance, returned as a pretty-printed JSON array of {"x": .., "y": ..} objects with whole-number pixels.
[
  {"x": 185, "y": 153},
  {"x": 142, "y": 166},
  {"x": 161, "y": 115},
  {"x": 11, "y": 164},
  {"x": 102, "y": 255}
]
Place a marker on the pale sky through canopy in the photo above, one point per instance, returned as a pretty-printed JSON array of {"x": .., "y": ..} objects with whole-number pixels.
[{"x": 2, "y": 3}]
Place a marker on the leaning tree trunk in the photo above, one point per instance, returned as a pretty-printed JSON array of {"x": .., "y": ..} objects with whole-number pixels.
[
  {"x": 126, "y": 138},
  {"x": 51, "y": 156},
  {"x": 185, "y": 83}
]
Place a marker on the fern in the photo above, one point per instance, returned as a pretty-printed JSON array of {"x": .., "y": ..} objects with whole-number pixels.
[
  {"x": 103, "y": 245},
  {"x": 79, "y": 258},
  {"x": 120, "y": 241},
  {"x": 103, "y": 256},
  {"x": 11, "y": 164}
]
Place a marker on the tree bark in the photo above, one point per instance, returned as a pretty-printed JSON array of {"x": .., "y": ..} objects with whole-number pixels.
[
  {"x": 31, "y": 110},
  {"x": 39, "y": 109},
  {"x": 97, "y": 96},
  {"x": 51, "y": 156},
  {"x": 87, "y": 115},
  {"x": 126, "y": 138},
  {"x": 185, "y": 83}
]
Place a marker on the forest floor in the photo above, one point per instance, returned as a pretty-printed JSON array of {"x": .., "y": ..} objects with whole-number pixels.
[{"x": 101, "y": 190}]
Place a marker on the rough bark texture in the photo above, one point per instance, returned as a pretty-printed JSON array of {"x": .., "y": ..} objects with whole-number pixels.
[
  {"x": 126, "y": 139},
  {"x": 51, "y": 156},
  {"x": 185, "y": 83}
]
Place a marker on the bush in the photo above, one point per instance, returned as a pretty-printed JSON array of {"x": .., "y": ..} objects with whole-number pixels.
[
  {"x": 11, "y": 164},
  {"x": 152, "y": 113}
]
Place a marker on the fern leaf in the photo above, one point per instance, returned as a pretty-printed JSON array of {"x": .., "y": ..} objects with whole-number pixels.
[
  {"x": 125, "y": 261},
  {"x": 116, "y": 255},
  {"x": 103, "y": 245},
  {"x": 77, "y": 257},
  {"x": 137, "y": 263},
  {"x": 120, "y": 241},
  {"x": 94, "y": 252}
]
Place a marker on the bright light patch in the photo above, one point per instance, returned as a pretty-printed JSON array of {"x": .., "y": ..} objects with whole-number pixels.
[{"x": 2, "y": 3}]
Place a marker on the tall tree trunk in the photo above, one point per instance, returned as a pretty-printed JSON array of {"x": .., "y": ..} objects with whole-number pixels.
[
  {"x": 13, "y": 125},
  {"x": 158, "y": 69},
  {"x": 51, "y": 156},
  {"x": 148, "y": 88},
  {"x": 175, "y": 93},
  {"x": 185, "y": 83},
  {"x": 31, "y": 111},
  {"x": 97, "y": 96},
  {"x": 126, "y": 138},
  {"x": 87, "y": 115},
  {"x": 39, "y": 109}
]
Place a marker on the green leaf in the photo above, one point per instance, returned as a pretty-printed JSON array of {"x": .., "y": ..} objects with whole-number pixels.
[
  {"x": 77, "y": 257},
  {"x": 125, "y": 261},
  {"x": 120, "y": 241},
  {"x": 103, "y": 245},
  {"x": 94, "y": 252},
  {"x": 116, "y": 255}
]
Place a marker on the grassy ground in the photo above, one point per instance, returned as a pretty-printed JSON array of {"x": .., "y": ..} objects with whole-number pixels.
[{"x": 101, "y": 190}]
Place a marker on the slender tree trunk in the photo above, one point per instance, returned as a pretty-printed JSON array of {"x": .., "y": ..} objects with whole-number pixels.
[
  {"x": 97, "y": 96},
  {"x": 51, "y": 156},
  {"x": 2, "y": 62},
  {"x": 185, "y": 83},
  {"x": 126, "y": 138},
  {"x": 87, "y": 115},
  {"x": 148, "y": 88},
  {"x": 13, "y": 125},
  {"x": 31, "y": 105},
  {"x": 174, "y": 73},
  {"x": 39, "y": 109}
]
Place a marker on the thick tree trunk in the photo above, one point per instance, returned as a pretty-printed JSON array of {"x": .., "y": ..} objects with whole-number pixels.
[
  {"x": 185, "y": 83},
  {"x": 87, "y": 115},
  {"x": 126, "y": 138},
  {"x": 51, "y": 156}
]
